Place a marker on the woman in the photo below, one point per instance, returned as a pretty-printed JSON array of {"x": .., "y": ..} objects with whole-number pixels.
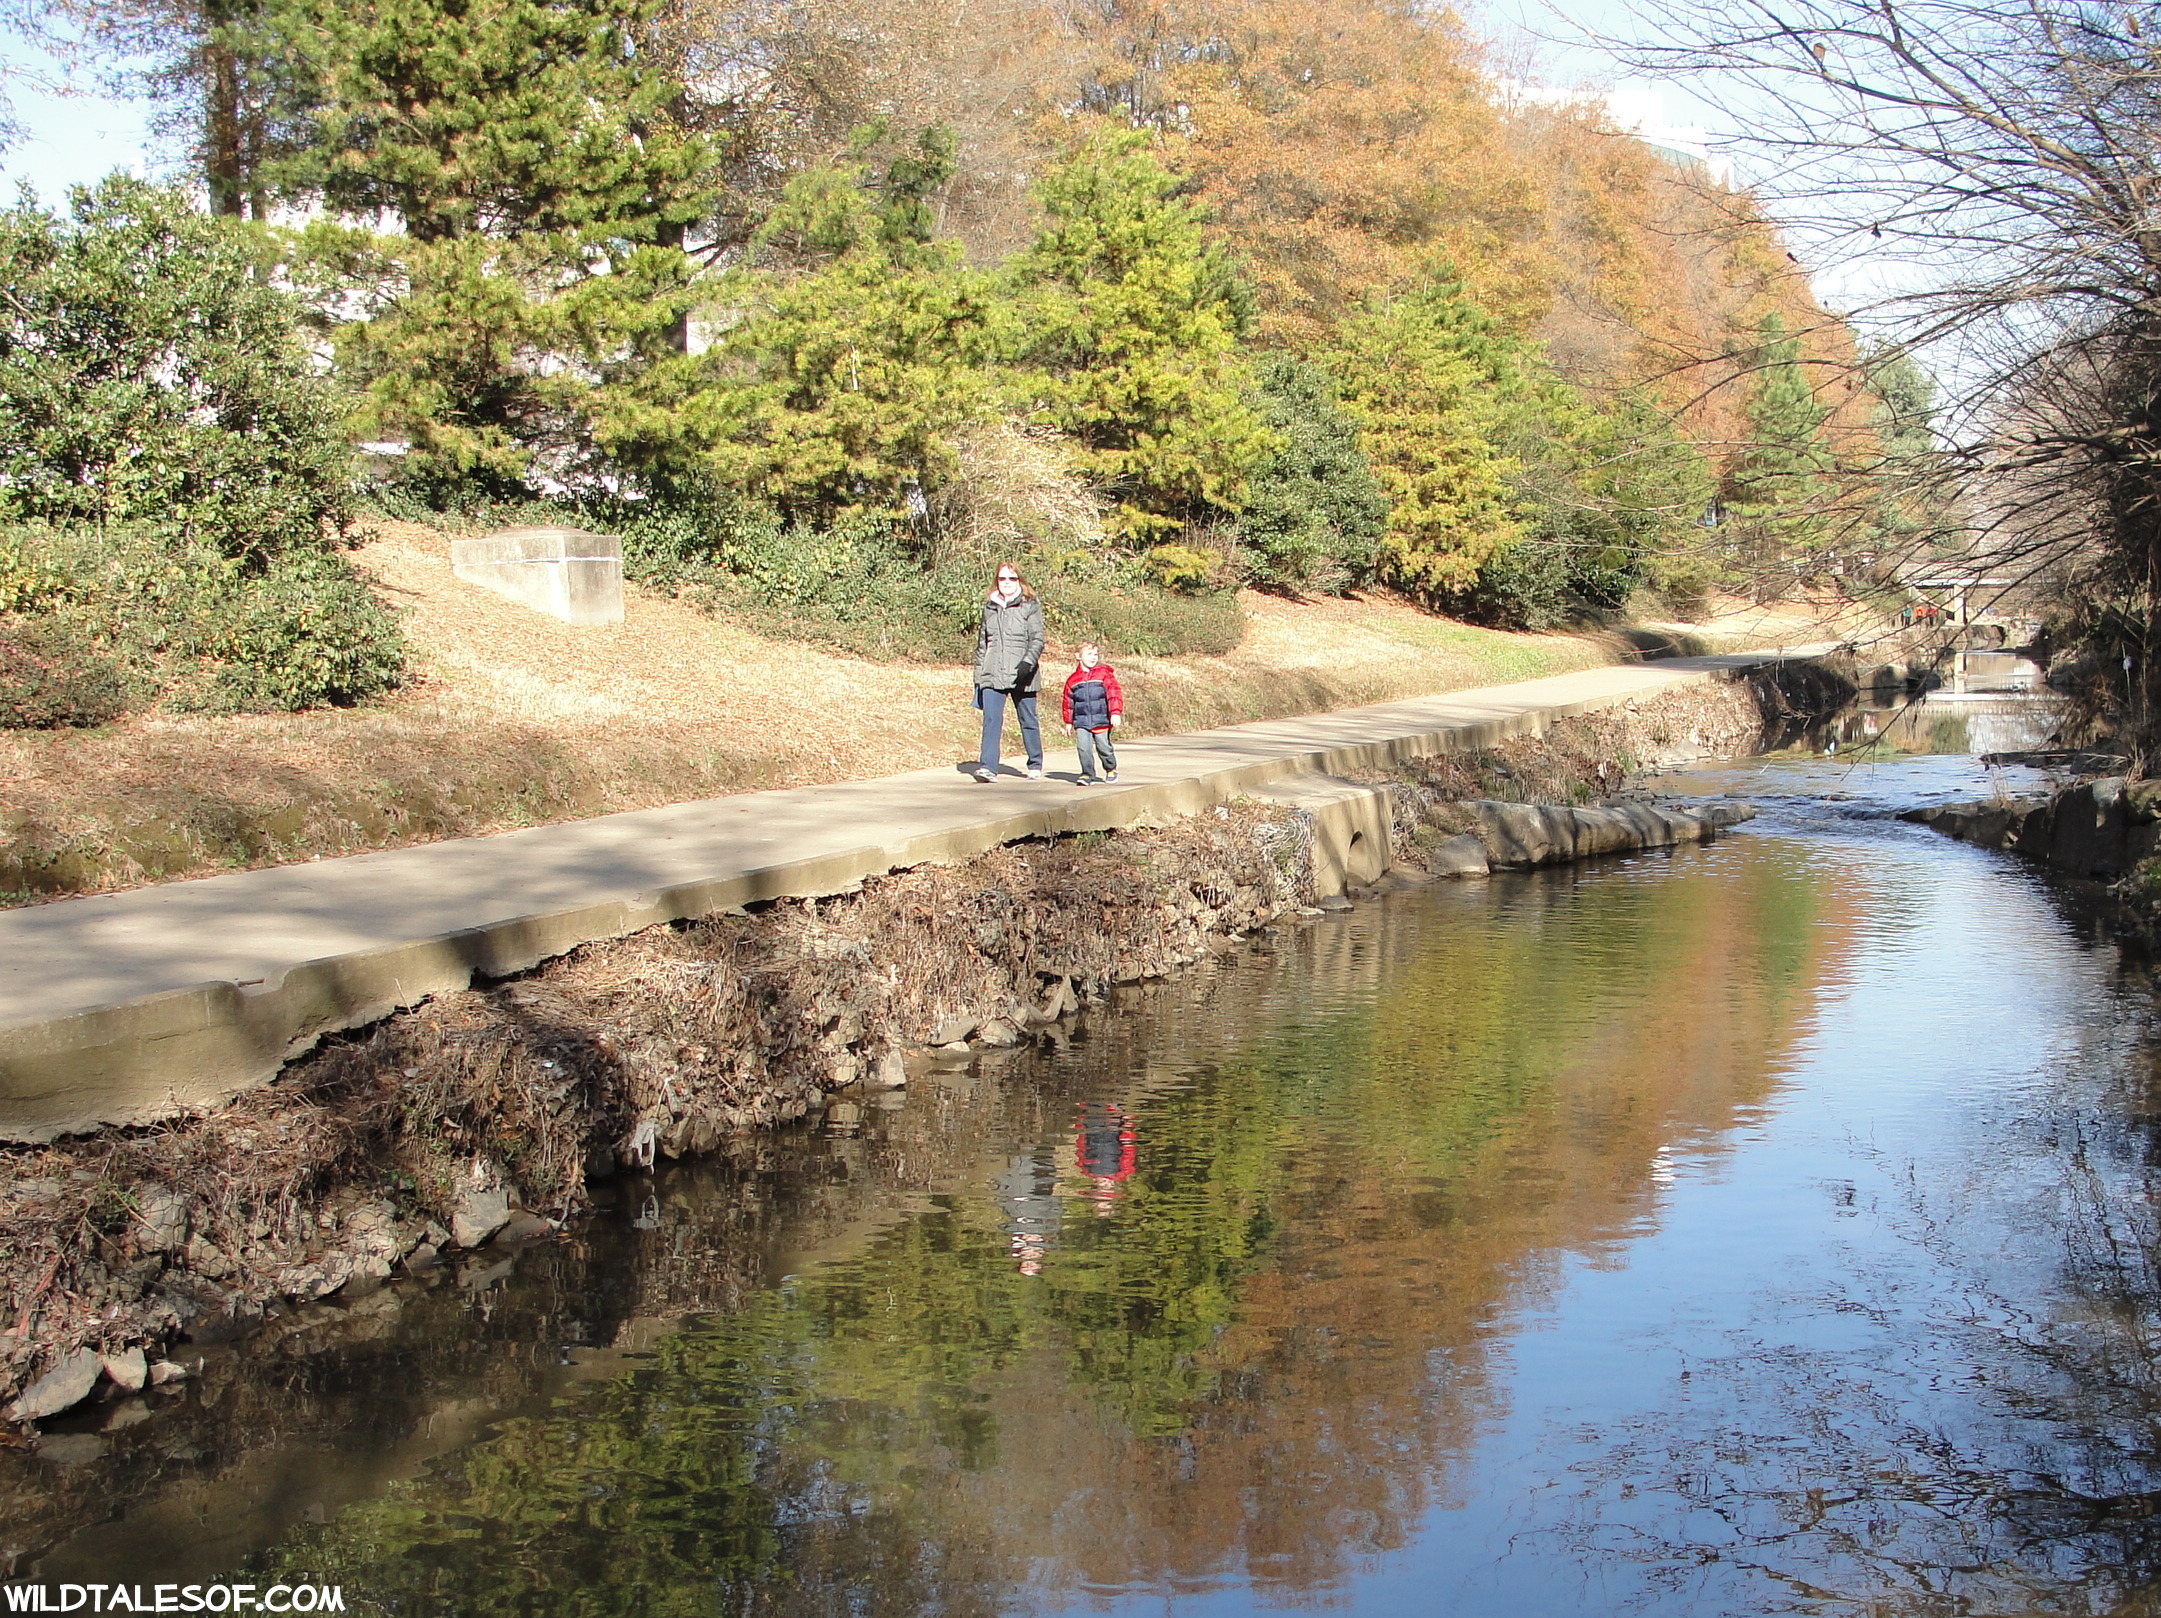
[{"x": 1008, "y": 652}]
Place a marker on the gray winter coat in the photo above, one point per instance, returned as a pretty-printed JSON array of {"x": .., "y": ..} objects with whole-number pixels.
[{"x": 1009, "y": 646}]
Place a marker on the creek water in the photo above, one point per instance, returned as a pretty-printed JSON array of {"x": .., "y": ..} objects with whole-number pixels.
[{"x": 1764, "y": 1227}]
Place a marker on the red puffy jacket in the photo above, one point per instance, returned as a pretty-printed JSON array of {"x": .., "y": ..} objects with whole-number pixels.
[{"x": 1095, "y": 706}]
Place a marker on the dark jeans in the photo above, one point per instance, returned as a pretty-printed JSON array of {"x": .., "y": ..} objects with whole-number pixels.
[
  {"x": 1092, "y": 742},
  {"x": 1031, "y": 735}
]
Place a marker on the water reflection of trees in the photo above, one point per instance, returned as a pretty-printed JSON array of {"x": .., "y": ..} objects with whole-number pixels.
[
  {"x": 2003, "y": 1458},
  {"x": 1354, "y": 1159}
]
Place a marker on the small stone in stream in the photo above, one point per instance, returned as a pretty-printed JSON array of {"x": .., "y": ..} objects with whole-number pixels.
[
  {"x": 524, "y": 1227},
  {"x": 63, "y": 1387},
  {"x": 71, "y": 1449},
  {"x": 1309, "y": 911},
  {"x": 1335, "y": 901},
  {"x": 128, "y": 1369},
  {"x": 951, "y": 1030},
  {"x": 998, "y": 1032},
  {"x": 958, "y": 1047},
  {"x": 163, "y": 1372},
  {"x": 889, "y": 1072},
  {"x": 479, "y": 1216}
]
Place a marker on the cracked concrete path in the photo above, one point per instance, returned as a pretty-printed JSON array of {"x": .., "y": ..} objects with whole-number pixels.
[{"x": 122, "y": 1007}]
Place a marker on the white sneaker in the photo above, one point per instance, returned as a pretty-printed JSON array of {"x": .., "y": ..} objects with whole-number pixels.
[
  {"x": 984, "y": 775},
  {"x": 1035, "y": 772}
]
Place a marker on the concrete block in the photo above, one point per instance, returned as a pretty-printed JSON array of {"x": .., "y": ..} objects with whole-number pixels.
[
  {"x": 1353, "y": 827},
  {"x": 563, "y": 572}
]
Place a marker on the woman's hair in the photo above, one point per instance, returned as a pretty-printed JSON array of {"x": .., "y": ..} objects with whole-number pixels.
[{"x": 1027, "y": 590}]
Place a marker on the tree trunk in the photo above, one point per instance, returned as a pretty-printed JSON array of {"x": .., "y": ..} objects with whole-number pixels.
[
  {"x": 224, "y": 161},
  {"x": 671, "y": 234}
]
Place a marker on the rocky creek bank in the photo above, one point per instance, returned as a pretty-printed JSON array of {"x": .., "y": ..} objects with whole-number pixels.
[
  {"x": 2107, "y": 829},
  {"x": 478, "y": 1120}
]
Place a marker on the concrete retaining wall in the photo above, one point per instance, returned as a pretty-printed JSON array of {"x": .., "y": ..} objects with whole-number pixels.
[{"x": 563, "y": 572}]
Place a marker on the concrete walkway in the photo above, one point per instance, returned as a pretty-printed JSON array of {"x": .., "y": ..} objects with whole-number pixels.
[{"x": 126, "y": 1007}]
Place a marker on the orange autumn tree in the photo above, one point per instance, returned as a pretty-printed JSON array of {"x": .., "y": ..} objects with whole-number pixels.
[
  {"x": 1336, "y": 143},
  {"x": 1341, "y": 145}
]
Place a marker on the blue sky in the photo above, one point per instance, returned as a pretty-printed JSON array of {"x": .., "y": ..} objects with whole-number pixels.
[{"x": 68, "y": 140}]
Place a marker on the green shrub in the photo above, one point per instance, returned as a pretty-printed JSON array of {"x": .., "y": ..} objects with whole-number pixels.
[
  {"x": 150, "y": 373},
  {"x": 197, "y": 629},
  {"x": 1523, "y": 586},
  {"x": 53, "y": 674},
  {"x": 1314, "y": 511},
  {"x": 1141, "y": 622},
  {"x": 304, "y": 633},
  {"x": 1189, "y": 569}
]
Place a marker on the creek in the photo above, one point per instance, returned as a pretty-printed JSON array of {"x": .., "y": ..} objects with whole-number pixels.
[{"x": 1760, "y": 1227}]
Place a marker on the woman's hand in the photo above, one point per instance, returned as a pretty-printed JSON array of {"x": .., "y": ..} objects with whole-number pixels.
[
  {"x": 1068, "y": 729},
  {"x": 1117, "y": 720}
]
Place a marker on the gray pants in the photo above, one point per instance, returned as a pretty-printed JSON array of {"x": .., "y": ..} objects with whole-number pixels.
[{"x": 1092, "y": 742}]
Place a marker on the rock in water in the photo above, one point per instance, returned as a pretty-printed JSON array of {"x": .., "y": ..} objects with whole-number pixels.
[
  {"x": 62, "y": 1388},
  {"x": 1524, "y": 833},
  {"x": 479, "y": 1216},
  {"x": 129, "y": 1369},
  {"x": 1459, "y": 856},
  {"x": 952, "y": 1030},
  {"x": 526, "y": 1227}
]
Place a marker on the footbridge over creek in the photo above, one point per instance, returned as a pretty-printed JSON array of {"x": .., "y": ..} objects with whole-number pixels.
[{"x": 124, "y": 1008}]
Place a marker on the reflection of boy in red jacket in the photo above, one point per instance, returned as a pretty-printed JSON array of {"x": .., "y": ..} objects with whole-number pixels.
[
  {"x": 1106, "y": 1146},
  {"x": 1091, "y": 709}
]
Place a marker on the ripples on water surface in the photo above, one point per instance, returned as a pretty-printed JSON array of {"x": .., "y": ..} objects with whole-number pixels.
[{"x": 1758, "y": 1229}]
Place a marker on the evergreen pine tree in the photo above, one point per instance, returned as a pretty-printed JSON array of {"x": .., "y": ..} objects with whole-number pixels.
[
  {"x": 1130, "y": 332},
  {"x": 857, "y": 346},
  {"x": 1314, "y": 510},
  {"x": 1776, "y": 491},
  {"x": 525, "y": 153},
  {"x": 1430, "y": 378}
]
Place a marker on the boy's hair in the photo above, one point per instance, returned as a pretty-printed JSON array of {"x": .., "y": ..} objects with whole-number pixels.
[{"x": 1091, "y": 646}]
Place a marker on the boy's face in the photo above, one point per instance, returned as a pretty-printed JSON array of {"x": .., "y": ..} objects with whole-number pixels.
[{"x": 1088, "y": 657}]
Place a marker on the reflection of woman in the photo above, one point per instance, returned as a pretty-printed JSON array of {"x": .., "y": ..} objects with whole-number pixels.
[{"x": 1008, "y": 658}]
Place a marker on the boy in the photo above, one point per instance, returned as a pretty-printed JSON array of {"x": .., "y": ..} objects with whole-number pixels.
[{"x": 1091, "y": 708}]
